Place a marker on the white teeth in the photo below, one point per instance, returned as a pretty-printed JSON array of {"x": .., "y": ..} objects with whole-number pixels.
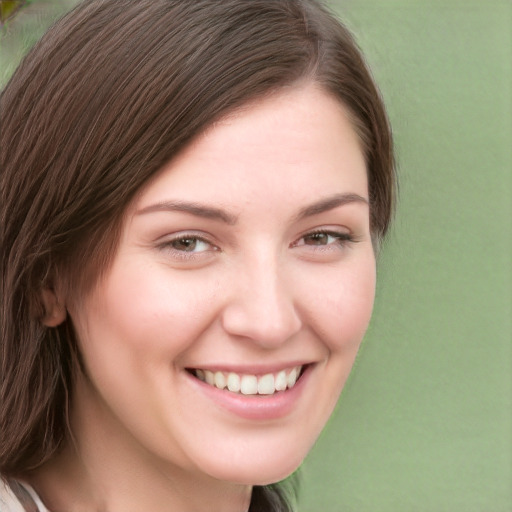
[
  {"x": 209, "y": 377},
  {"x": 281, "y": 381},
  {"x": 266, "y": 384},
  {"x": 220, "y": 380},
  {"x": 292, "y": 378},
  {"x": 233, "y": 382},
  {"x": 249, "y": 385}
]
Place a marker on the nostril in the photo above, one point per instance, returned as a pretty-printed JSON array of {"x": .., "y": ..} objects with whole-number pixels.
[{"x": 267, "y": 333}]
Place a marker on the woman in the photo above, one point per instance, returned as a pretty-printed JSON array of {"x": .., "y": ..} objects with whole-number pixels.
[{"x": 192, "y": 197}]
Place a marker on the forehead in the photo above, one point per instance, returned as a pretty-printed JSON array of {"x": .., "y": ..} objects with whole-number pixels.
[{"x": 298, "y": 143}]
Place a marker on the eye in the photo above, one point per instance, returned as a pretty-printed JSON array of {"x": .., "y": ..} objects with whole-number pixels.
[
  {"x": 325, "y": 238},
  {"x": 189, "y": 243},
  {"x": 185, "y": 246}
]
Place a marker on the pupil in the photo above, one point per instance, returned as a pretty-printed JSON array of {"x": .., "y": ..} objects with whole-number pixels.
[
  {"x": 317, "y": 239},
  {"x": 186, "y": 244}
]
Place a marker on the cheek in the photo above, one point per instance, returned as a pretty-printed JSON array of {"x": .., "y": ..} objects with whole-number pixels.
[
  {"x": 342, "y": 305},
  {"x": 157, "y": 301},
  {"x": 132, "y": 330},
  {"x": 356, "y": 303},
  {"x": 148, "y": 310},
  {"x": 343, "y": 313}
]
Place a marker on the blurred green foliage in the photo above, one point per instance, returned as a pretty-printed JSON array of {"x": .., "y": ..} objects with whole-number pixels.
[
  {"x": 22, "y": 23},
  {"x": 8, "y": 8}
]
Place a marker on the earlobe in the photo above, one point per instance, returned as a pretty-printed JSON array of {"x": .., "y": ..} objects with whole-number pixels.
[{"x": 54, "y": 311}]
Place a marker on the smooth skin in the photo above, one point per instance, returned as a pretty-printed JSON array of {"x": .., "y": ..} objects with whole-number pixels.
[{"x": 250, "y": 250}]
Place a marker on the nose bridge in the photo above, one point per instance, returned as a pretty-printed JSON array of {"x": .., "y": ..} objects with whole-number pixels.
[{"x": 262, "y": 306}]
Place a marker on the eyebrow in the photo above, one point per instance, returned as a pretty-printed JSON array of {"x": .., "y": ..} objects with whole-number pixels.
[
  {"x": 199, "y": 210},
  {"x": 329, "y": 203},
  {"x": 211, "y": 212}
]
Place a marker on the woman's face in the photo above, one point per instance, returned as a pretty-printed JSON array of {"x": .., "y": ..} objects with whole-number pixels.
[{"x": 246, "y": 260}]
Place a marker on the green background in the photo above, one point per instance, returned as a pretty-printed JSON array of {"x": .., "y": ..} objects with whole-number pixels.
[{"x": 425, "y": 421}]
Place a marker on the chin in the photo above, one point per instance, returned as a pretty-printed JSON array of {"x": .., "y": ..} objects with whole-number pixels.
[{"x": 264, "y": 469}]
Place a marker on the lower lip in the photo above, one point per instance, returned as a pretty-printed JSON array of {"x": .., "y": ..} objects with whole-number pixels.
[{"x": 255, "y": 407}]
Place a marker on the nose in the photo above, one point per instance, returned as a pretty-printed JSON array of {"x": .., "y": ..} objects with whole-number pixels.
[{"x": 261, "y": 306}]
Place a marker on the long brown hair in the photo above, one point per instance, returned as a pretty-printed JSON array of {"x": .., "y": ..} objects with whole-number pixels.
[{"x": 111, "y": 93}]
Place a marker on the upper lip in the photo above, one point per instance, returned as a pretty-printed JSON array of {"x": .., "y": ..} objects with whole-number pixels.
[{"x": 251, "y": 369}]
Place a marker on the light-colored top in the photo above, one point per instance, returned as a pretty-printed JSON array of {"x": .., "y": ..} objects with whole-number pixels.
[{"x": 17, "y": 496}]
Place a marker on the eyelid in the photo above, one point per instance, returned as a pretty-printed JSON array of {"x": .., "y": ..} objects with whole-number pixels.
[
  {"x": 343, "y": 235},
  {"x": 165, "y": 244}
]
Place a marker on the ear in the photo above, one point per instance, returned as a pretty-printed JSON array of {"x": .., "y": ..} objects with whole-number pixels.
[{"x": 54, "y": 311}]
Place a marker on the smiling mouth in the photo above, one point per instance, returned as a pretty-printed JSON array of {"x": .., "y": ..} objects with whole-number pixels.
[{"x": 248, "y": 384}]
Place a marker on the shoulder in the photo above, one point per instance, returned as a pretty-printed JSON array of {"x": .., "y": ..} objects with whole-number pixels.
[{"x": 18, "y": 497}]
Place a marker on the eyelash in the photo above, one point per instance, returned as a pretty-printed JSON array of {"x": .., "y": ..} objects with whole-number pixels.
[
  {"x": 168, "y": 245},
  {"x": 342, "y": 239}
]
